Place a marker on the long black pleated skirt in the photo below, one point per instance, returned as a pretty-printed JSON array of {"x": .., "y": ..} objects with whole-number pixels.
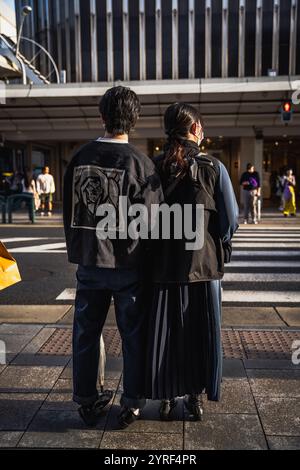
[{"x": 184, "y": 353}]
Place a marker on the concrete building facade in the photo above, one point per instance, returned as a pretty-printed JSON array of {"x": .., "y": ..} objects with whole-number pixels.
[{"x": 237, "y": 60}]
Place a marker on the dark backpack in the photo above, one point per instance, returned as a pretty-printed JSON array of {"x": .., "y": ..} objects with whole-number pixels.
[{"x": 196, "y": 162}]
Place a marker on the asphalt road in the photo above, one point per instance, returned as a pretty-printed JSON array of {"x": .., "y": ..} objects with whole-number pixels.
[
  {"x": 44, "y": 273},
  {"x": 265, "y": 268}
]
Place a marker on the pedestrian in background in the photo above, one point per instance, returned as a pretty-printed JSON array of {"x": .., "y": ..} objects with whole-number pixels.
[
  {"x": 289, "y": 194},
  {"x": 29, "y": 186},
  {"x": 250, "y": 182},
  {"x": 46, "y": 188}
]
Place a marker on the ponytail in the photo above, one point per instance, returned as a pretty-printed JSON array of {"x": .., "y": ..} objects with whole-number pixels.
[
  {"x": 175, "y": 155},
  {"x": 178, "y": 119}
]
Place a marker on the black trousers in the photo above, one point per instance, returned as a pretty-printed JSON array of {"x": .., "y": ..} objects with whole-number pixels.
[{"x": 95, "y": 289}]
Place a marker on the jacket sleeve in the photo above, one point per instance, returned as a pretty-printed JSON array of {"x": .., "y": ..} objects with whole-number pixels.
[
  {"x": 67, "y": 197},
  {"x": 227, "y": 207}
]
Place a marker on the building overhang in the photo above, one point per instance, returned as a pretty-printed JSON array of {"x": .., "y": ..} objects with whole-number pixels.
[
  {"x": 8, "y": 69},
  {"x": 230, "y": 107}
]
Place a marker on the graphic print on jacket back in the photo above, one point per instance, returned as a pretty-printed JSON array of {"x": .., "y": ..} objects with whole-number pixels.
[{"x": 92, "y": 187}]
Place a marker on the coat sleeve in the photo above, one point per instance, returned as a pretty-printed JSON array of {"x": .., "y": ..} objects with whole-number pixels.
[
  {"x": 227, "y": 207},
  {"x": 67, "y": 198}
]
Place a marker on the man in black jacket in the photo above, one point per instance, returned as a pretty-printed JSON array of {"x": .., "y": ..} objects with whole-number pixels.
[{"x": 100, "y": 173}]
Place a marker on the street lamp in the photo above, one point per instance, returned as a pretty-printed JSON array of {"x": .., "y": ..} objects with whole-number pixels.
[{"x": 26, "y": 10}]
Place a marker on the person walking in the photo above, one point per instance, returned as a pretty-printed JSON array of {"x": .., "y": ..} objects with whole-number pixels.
[
  {"x": 99, "y": 174},
  {"x": 46, "y": 188},
  {"x": 289, "y": 195},
  {"x": 250, "y": 182},
  {"x": 29, "y": 186},
  {"x": 184, "y": 335}
]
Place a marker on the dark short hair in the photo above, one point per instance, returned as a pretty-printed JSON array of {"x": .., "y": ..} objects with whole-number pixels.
[
  {"x": 249, "y": 166},
  {"x": 120, "y": 109}
]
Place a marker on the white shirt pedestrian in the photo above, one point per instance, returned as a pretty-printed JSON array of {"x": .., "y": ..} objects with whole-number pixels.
[{"x": 45, "y": 184}]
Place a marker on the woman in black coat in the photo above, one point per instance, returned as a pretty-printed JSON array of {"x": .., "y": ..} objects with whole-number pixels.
[{"x": 184, "y": 353}]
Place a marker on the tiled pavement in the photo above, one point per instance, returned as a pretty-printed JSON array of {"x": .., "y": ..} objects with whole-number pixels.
[{"x": 259, "y": 409}]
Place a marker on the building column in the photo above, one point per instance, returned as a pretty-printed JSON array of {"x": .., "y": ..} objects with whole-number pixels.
[{"x": 251, "y": 151}]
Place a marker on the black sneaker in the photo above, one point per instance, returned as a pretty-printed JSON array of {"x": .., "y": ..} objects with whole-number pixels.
[
  {"x": 194, "y": 405},
  {"x": 104, "y": 399},
  {"x": 90, "y": 414},
  {"x": 166, "y": 408},
  {"x": 127, "y": 417}
]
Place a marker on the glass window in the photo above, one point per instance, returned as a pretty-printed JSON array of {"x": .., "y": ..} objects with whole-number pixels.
[
  {"x": 134, "y": 43},
  {"x": 284, "y": 37},
  {"x": 200, "y": 38},
  {"x": 233, "y": 38},
  {"x": 85, "y": 43},
  {"x": 150, "y": 39},
  {"x": 216, "y": 41},
  {"x": 118, "y": 39},
  {"x": 167, "y": 38},
  {"x": 72, "y": 40},
  {"x": 183, "y": 39},
  {"x": 101, "y": 40},
  {"x": 250, "y": 38},
  {"x": 63, "y": 36},
  {"x": 298, "y": 44},
  {"x": 267, "y": 36}
]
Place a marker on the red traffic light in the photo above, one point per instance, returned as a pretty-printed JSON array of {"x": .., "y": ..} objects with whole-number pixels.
[
  {"x": 286, "y": 111},
  {"x": 287, "y": 107}
]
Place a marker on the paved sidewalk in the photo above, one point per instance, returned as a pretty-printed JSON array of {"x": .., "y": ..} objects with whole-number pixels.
[
  {"x": 260, "y": 403},
  {"x": 260, "y": 406}
]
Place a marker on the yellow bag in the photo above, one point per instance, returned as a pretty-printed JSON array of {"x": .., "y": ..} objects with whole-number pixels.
[{"x": 9, "y": 272}]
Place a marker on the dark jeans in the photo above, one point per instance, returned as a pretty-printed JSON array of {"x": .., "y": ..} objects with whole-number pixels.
[{"x": 95, "y": 289}]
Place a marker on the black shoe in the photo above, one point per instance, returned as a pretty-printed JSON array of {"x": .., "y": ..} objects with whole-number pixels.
[
  {"x": 194, "y": 405},
  {"x": 127, "y": 417},
  {"x": 90, "y": 414},
  {"x": 104, "y": 399},
  {"x": 166, "y": 407}
]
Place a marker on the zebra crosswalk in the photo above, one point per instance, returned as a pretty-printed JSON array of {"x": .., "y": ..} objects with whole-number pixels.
[{"x": 265, "y": 268}]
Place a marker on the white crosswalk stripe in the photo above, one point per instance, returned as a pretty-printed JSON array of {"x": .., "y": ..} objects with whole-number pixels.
[
  {"x": 259, "y": 249},
  {"x": 267, "y": 264},
  {"x": 265, "y": 245},
  {"x": 271, "y": 255},
  {"x": 45, "y": 248},
  {"x": 265, "y": 254},
  {"x": 22, "y": 239},
  {"x": 67, "y": 294},
  {"x": 265, "y": 297},
  {"x": 262, "y": 277}
]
